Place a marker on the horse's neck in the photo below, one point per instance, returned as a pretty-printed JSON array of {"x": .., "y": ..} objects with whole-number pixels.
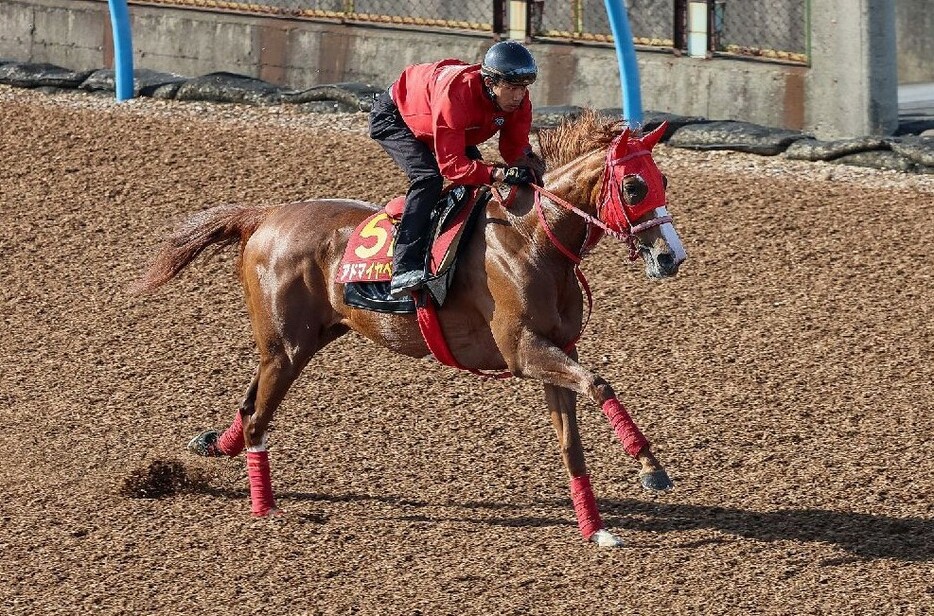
[{"x": 578, "y": 183}]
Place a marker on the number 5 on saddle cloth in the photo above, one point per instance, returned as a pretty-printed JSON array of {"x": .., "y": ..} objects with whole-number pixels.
[{"x": 366, "y": 268}]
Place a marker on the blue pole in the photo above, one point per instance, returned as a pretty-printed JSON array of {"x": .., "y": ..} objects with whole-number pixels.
[
  {"x": 626, "y": 57},
  {"x": 123, "y": 49}
]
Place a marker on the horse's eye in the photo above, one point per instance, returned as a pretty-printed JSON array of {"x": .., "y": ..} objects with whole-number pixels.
[{"x": 634, "y": 189}]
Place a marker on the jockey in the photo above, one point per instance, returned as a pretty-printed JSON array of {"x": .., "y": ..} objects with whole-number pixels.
[{"x": 430, "y": 122}]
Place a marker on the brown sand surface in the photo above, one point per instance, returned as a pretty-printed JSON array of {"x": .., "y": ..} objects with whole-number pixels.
[{"x": 785, "y": 379}]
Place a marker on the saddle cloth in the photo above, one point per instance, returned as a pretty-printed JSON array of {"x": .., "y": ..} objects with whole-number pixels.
[{"x": 366, "y": 267}]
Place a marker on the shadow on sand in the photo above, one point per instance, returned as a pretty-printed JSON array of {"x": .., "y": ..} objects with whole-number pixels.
[{"x": 864, "y": 536}]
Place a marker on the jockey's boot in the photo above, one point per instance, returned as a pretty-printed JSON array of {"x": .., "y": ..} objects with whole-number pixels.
[
  {"x": 408, "y": 270},
  {"x": 413, "y": 235}
]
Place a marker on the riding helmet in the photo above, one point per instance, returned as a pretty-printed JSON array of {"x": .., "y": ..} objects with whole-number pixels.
[{"x": 511, "y": 62}]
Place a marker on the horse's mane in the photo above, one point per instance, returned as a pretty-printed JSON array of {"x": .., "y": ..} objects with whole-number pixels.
[{"x": 574, "y": 137}]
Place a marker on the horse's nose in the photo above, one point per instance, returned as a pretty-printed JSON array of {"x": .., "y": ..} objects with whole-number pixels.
[{"x": 667, "y": 264}]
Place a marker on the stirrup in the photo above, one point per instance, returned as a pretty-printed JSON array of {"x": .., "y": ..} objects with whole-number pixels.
[{"x": 406, "y": 282}]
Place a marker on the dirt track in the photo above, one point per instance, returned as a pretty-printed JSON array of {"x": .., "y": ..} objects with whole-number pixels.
[{"x": 784, "y": 377}]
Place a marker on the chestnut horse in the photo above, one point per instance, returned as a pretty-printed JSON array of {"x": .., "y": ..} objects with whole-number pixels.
[{"x": 516, "y": 301}]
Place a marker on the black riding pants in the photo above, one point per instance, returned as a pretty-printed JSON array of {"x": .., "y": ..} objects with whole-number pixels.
[{"x": 419, "y": 164}]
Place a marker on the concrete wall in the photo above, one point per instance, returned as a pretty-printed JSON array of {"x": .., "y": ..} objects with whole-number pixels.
[
  {"x": 36, "y": 32},
  {"x": 914, "y": 24},
  {"x": 853, "y": 80},
  {"x": 76, "y": 34}
]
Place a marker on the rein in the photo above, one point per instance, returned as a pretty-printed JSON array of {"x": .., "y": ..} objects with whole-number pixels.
[
  {"x": 574, "y": 258},
  {"x": 590, "y": 239},
  {"x": 628, "y": 236},
  {"x": 427, "y": 315}
]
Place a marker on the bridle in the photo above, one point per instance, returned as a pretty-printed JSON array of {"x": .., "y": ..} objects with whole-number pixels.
[
  {"x": 612, "y": 206},
  {"x": 612, "y": 210}
]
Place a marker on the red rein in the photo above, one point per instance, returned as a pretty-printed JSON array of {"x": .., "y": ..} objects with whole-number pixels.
[{"x": 608, "y": 205}]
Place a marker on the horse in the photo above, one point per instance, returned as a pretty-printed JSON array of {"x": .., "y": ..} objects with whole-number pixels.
[{"x": 516, "y": 302}]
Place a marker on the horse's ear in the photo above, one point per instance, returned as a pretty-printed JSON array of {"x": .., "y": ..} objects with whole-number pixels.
[
  {"x": 652, "y": 139},
  {"x": 622, "y": 142}
]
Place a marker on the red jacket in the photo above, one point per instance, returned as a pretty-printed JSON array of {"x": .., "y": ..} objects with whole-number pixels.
[{"x": 446, "y": 107}]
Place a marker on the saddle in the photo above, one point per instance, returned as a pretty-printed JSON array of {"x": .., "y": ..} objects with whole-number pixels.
[{"x": 366, "y": 267}]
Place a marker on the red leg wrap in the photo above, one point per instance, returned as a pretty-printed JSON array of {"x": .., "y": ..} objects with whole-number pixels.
[
  {"x": 585, "y": 506},
  {"x": 231, "y": 441},
  {"x": 626, "y": 431},
  {"x": 257, "y": 467}
]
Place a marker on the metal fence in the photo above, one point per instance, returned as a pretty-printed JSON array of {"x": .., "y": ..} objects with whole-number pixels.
[
  {"x": 768, "y": 28},
  {"x": 773, "y": 29}
]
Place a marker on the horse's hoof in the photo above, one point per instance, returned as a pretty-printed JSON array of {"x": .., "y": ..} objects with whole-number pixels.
[
  {"x": 656, "y": 481},
  {"x": 205, "y": 444},
  {"x": 606, "y": 539}
]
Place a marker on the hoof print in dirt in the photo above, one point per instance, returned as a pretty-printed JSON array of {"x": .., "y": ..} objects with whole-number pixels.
[{"x": 163, "y": 478}]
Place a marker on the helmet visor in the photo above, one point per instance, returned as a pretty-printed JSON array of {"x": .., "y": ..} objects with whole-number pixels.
[
  {"x": 516, "y": 79},
  {"x": 520, "y": 80}
]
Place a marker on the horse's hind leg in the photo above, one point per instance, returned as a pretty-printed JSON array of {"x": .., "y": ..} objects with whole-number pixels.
[
  {"x": 230, "y": 443},
  {"x": 276, "y": 375},
  {"x": 287, "y": 338}
]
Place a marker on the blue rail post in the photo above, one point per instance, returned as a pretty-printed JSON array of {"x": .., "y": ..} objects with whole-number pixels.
[
  {"x": 626, "y": 57},
  {"x": 123, "y": 49}
]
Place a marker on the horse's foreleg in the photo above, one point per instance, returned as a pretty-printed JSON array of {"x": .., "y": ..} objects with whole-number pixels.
[
  {"x": 652, "y": 476},
  {"x": 561, "y": 405},
  {"x": 539, "y": 358}
]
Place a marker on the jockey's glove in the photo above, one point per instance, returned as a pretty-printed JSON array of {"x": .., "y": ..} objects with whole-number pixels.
[{"x": 517, "y": 176}]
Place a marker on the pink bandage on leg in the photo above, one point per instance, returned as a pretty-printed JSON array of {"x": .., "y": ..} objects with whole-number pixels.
[
  {"x": 626, "y": 431},
  {"x": 585, "y": 506},
  {"x": 231, "y": 441},
  {"x": 257, "y": 467}
]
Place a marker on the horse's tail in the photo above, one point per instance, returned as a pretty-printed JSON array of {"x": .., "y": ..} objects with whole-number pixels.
[{"x": 222, "y": 225}]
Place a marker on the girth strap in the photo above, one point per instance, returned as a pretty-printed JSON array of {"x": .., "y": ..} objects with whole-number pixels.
[{"x": 430, "y": 327}]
